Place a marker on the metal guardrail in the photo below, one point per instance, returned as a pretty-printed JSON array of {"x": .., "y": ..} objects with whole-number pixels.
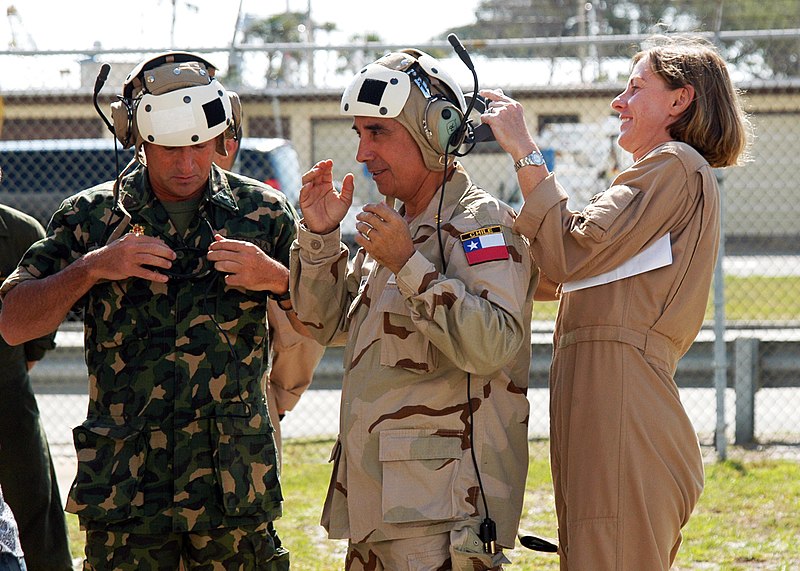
[{"x": 764, "y": 357}]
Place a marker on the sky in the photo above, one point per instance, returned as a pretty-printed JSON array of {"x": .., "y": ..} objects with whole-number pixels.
[
  {"x": 58, "y": 25},
  {"x": 51, "y": 25}
]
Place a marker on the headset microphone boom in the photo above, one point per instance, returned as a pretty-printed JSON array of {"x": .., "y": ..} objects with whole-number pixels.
[{"x": 482, "y": 133}]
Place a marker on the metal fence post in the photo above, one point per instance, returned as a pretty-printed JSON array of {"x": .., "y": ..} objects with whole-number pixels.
[
  {"x": 720, "y": 357},
  {"x": 746, "y": 385}
]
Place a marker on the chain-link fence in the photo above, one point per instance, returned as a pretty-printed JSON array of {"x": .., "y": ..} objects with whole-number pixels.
[{"x": 741, "y": 379}]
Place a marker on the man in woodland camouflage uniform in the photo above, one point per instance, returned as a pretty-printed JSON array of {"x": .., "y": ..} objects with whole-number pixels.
[
  {"x": 435, "y": 311},
  {"x": 172, "y": 267}
]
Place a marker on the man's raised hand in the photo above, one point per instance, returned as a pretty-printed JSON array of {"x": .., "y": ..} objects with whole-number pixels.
[{"x": 324, "y": 207}]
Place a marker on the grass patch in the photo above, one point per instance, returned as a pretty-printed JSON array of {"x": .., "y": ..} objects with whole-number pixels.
[
  {"x": 306, "y": 473},
  {"x": 755, "y": 298},
  {"x": 759, "y": 298},
  {"x": 748, "y": 516},
  {"x": 77, "y": 538}
]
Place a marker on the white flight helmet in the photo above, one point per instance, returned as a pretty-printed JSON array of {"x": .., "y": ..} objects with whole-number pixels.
[
  {"x": 412, "y": 87},
  {"x": 174, "y": 100}
]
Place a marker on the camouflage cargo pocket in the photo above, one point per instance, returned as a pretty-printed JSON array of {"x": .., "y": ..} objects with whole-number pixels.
[
  {"x": 402, "y": 344},
  {"x": 420, "y": 470},
  {"x": 110, "y": 465},
  {"x": 246, "y": 466}
]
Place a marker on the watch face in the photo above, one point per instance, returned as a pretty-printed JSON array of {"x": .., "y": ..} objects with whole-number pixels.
[{"x": 535, "y": 158}]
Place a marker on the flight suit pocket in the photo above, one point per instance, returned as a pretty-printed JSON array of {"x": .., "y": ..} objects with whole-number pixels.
[
  {"x": 420, "y": 470},
  {"x": 402, "y": 344},
  {"x": 246, "y": 466},
  {"x": 111, "y": 462},
  {"x": 606, "y": 207}
]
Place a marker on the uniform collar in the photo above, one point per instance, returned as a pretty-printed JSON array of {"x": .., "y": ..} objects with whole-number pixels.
[
  {"x": 454, "y": 189},
  {"x": 219, "y": 191}
]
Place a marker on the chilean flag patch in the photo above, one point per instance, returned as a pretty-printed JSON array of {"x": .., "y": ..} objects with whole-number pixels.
[{"x": 484, "y": 245}]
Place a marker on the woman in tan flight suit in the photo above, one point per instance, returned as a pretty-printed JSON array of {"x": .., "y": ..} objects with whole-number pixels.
[{"x": 625, "y": 459}]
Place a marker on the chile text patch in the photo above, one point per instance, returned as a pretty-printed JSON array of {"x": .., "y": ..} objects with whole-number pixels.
[{"x": 484, "y": 245}]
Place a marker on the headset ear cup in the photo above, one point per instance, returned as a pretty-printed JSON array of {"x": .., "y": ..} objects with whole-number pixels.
[
  {"x": 123, "y": 125},
  {"x": 443, "y": 120}
]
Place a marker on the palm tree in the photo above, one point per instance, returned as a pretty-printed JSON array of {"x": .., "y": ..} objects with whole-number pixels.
[{"x": 283, "y": 65}]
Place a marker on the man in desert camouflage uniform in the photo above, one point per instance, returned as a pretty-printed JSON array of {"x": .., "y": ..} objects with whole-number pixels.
[
  {"x": 435, "y": 311},
  {"x": 172, "y": 266}
]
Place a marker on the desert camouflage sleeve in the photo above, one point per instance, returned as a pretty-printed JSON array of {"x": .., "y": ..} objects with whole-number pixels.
[
  {"x": 323, "y": 284},
  {"x": 294, "y": 359},
  {"x": 474, "y": 315}
]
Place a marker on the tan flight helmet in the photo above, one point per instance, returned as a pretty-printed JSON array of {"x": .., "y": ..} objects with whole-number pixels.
[
  {"x": 174, "y": 100},
  {"x": 413, "y": 88}
]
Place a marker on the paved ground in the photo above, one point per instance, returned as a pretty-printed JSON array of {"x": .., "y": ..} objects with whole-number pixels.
[{"x": 772, "y": 266}]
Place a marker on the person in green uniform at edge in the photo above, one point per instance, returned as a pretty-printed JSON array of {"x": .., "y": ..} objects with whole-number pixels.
[
  {"x": 172, "y": 265},
  {"x": 27, "y": 474}
]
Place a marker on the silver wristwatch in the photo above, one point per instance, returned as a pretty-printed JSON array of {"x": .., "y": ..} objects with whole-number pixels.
[{"x": 535, "y": 158}]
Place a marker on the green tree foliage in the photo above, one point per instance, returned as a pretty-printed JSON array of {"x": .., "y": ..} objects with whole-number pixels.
[
  {"x": 352, "y": 61},
  {"x": 763, "y": 57},
  {"x": 285, "y": 28}
]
